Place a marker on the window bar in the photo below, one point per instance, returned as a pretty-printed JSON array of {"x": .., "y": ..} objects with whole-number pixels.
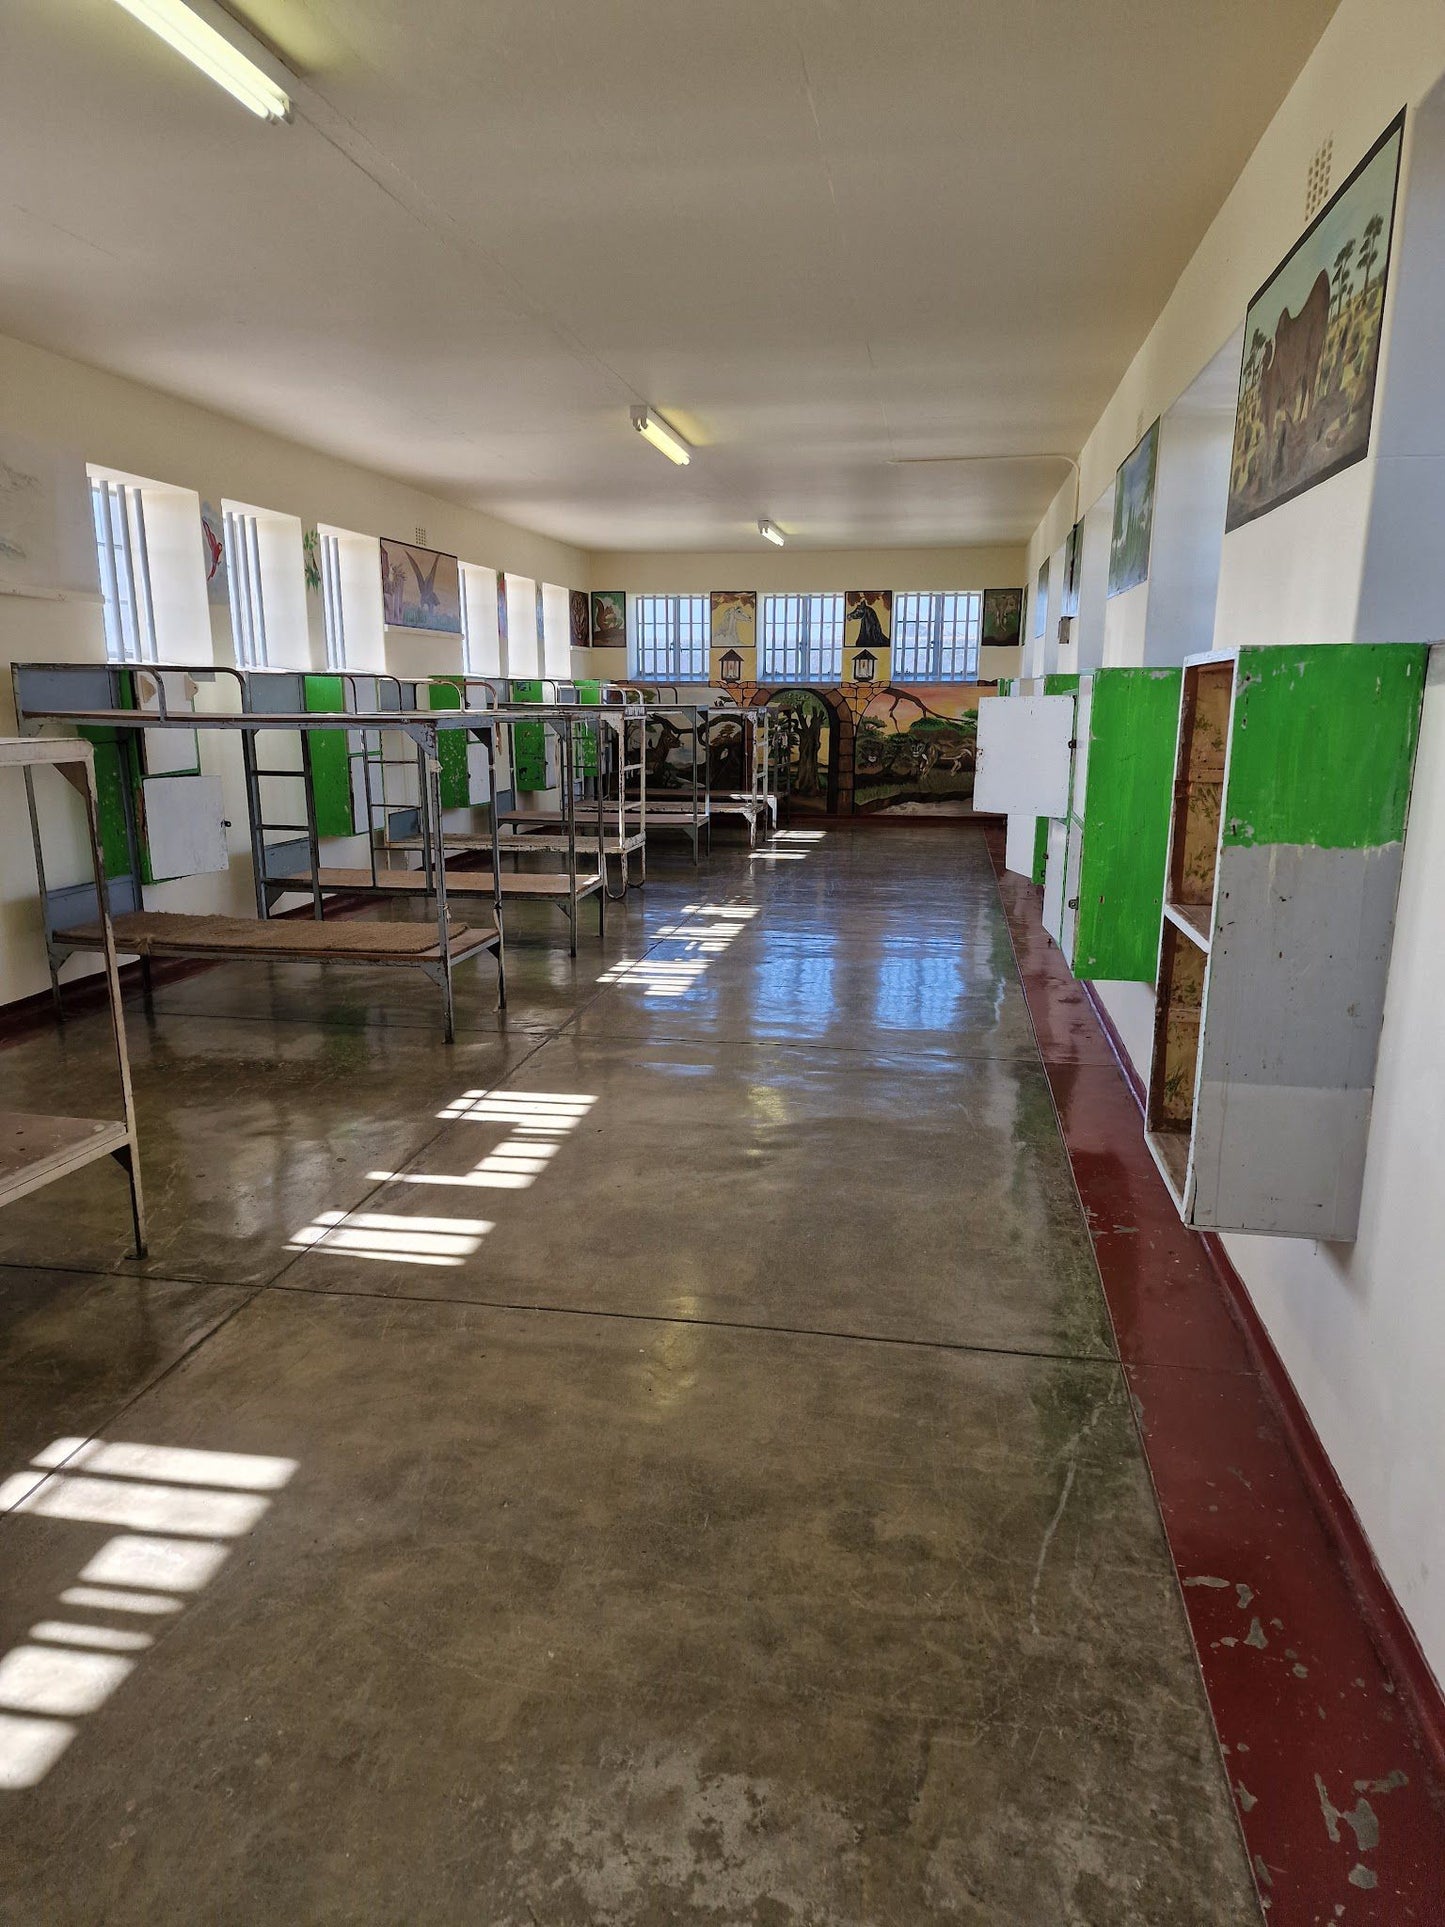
[
  {"x": 147, "y": 648},
  {"x": 109, "y": 584},
  {"x": 261, "y": 654},
  {"x": 125, "y": 568}
]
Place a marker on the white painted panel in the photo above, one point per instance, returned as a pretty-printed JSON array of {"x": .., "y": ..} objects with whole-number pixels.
[
  {"x": 1083, "y": 723},
  {"x": 1054, "y": 870},
  {"x": 184, "y": 825},
  {"x": 1024, "y": 755},
  {"x": 1018, "y": 854},
  {"x": 1069, "y": 915}
]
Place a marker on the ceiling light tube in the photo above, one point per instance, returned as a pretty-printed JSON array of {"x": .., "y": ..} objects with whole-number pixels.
[
  {"x": 199, "y": 42},
  {"x": 649, "y": 426},
  {"x": 770, "y": 532}
]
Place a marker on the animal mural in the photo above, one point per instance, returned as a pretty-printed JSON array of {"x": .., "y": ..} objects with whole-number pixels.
[
  {"x": 1312, "y": 346},
  {"x": 916, "y": 750},
  {"x": 867, "y": 620},
  {"x": 609, "y": 618},
  {"x": 579, "y": 614},
  {"x": 801, "y": 723},
  {"x": 1003, "y": 615},
  {"x": 420, "y": 588}
]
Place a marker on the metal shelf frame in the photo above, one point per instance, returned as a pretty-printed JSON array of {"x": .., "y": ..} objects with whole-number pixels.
[{"x": 36, "y": 1150}]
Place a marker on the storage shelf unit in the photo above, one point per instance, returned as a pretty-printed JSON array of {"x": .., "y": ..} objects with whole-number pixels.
[
  {"x": 35, "y": 1149},
  {"x": 1291, "y": 787}
]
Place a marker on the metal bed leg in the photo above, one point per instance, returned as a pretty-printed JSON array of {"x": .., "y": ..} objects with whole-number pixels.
[
  {"x": 433, "y": 794},
  {"x": 50, "y": 961},
  {"x": 489, "y": 738},
  {"x": 125, "y": 1158}
]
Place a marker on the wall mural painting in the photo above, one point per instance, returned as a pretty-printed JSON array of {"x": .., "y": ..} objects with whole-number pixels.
[
  {"x": 915, "y": 751},
  {"x": 1312, "y": 345},
  {"x": 1041, "y": 598},
  {"x": 420, "y": 588},
  {"x": 734, "y": 651},
  {"x": 801, "y": 723},
  {"x": 609, "y": 618},
  {"x": 867, "y": 626},
  {"x": 579, "y": 616},
  {"x": 1003, "y": 617},
  {"x": 1134, "y": 514}
]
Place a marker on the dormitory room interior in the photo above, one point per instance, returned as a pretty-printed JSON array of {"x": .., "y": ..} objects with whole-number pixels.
[{"x": 722, "y": 890}]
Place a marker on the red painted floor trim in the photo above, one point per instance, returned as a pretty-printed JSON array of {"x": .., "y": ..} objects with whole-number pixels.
[
  {"x": 1325, "y": 1722},
  {"x": 1422, "y": 1698}
]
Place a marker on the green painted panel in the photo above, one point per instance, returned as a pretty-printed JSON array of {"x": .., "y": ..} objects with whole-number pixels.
[
  {"x": 1061, "y": 685},
  {"x": 1041, "y": 848},
  {"x": 110, "y": 782},
  {"x": 1133, "y": 724},
  {"x": 330, "y": 766},
  {"x": 529, "y": 741},
  {"x": 1322, "y": 744},
  {"x": 456, "y": 783}
]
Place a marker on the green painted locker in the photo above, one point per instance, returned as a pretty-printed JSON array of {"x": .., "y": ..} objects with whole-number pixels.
[
  {"x": 529, "y": 741},
  {"x": 330, "y": 762},
  {"x": 456, "y": 784},
  {"x": 584, "y": 751},
  {"x": 1119, "y": 827},
  {"x": 1290, "y": 800}
]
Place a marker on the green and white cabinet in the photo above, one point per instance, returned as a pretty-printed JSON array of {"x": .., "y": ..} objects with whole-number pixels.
[
  {"x": 1291, "y": 789},
  {"x": 1024, "y": 766}
]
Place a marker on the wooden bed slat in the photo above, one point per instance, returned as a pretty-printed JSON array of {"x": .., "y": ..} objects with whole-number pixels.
[{"x": 155, "y": 933}]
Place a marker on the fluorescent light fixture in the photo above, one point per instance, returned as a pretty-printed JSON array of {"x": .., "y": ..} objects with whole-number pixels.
[
  {"x": 770, "y": 532},
  {"x": 649, "y": 426},
  {"x": 213, "y": 54}
]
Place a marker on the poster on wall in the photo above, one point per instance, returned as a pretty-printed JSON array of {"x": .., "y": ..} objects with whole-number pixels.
[
  {"x": 1312, "y": 345},
  {"x": 867, "y": 626},
  {"x": 609, "y": 618},
  {"x": 1003, "y": 618},
  {"x": 213, "y": 554},
  {"x": 502, "y": 623},
  {"x": 579, "y": 615},
  {"x": 1041, "y": 598},
  {"x": 734, "y": 651},
  {"x": 1134, "y": 514},
  {"x": 1073, "y": 559},
  {"x": 420, "y": 588}
]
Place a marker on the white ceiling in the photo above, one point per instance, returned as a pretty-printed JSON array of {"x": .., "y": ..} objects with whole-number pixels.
[{"x": 831, "y": 240}]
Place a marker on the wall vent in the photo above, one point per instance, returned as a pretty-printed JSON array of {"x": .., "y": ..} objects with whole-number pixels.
[
  {"x": 420, "y": 536},
  {"x": 1317, "y": 181}
]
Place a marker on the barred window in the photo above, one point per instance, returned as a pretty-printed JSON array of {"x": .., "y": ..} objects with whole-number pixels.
[
  {"x": 670, "y": 637},
  {"x": 118, "y": 510},
  {"x": 935, "y": 637},
  {"x": 802, "y": 639}
]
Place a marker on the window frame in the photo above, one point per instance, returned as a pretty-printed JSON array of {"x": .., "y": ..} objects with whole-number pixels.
[
  {"x": 659, "y": 657},
  {"x": 936, "y": 644},
  {"x": 810, "y": 650},
  {"x": 245, "y": 585}
]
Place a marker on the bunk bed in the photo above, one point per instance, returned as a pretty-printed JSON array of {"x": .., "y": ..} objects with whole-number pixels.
[
  {"x": 36, "y": 1149},
  {"x": 123, "y": 705},
  {"x": 756, "y": 801},
  {"x": 689, "y": 808}
]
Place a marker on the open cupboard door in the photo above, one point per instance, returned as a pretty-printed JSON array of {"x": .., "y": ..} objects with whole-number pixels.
[{"x": 1024, "y": 756}]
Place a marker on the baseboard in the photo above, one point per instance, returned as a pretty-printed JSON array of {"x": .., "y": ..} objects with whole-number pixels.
[{"x": 1393, "y": 1635}]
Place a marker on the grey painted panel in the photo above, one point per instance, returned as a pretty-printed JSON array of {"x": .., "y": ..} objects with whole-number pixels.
[
  {"x": 285, "y": 858},
  {"x": 76, "y": 902},
  {"x": 1293, "y": 1006},
  {"x": 80, "y": 686},
  {"x": 1298, "y": 964}
]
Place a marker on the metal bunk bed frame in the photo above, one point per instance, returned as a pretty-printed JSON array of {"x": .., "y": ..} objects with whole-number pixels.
[
  {"x": 695, "y": 821},
  {"x": 36, "y": 686}
]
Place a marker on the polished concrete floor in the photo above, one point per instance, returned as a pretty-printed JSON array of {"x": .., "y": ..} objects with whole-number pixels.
[{"x": 662, "y": 1460}]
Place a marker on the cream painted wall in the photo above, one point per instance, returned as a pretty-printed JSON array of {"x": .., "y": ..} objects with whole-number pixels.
[
  {"x": 773, "y": 571},
  {"x": 97, "y": 417},
  {"x": 1360, "y": 1328}
]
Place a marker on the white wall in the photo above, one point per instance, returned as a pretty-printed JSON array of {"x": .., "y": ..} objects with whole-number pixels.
[{"x": 1360, "y": 1328}]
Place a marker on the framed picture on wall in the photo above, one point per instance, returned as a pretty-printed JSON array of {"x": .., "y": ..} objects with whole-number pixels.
[
  {"x": 609, "y": 618},
  {"x": 1073, "y": 559},
  {"x": 1312, "y": 345},
  {"x": 1003, "y": 618},
  {"x": 579, "y": 610},
  {"x": 1041, "y": 598},
  {"x": 1134, "y": 514},
  {"x": 420, "y": 588}
]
